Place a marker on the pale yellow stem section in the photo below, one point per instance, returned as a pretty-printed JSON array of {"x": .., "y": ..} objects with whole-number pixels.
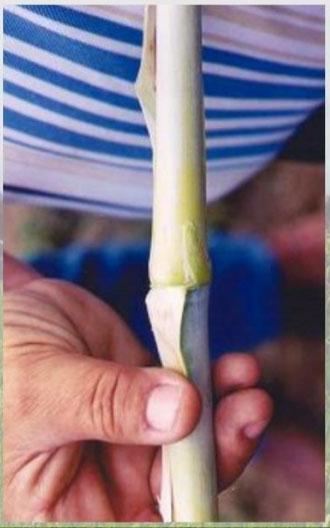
[{"x": 178, "y": 252}]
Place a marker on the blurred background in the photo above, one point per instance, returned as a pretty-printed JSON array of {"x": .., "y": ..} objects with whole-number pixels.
[{"x": 267, "y": 248}]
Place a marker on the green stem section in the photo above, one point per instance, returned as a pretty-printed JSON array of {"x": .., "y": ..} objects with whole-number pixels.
[
  {"x": 178, "y": 252},
  {"x": 189, "y": 484}
]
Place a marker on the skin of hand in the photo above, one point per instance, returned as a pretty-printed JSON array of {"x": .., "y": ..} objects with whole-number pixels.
[{"x": 85, "y": 410}]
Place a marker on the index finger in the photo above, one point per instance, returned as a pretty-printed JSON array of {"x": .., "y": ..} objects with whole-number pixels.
[
  {"x": 16, "y": 274},
  {"x": 235, "y": 371}
]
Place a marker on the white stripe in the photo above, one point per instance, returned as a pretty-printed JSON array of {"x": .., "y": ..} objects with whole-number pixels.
[
  {"x": 231, "y": 103},
  {"x": 74, "y": 125},
  {"x": 255, "y": 37},
  {"x": 215, "y": 168},
  {"x": 251, "y": 75},
  {"x": 271, "y": 14},
  {"x": 121, "y": 15},
  {"x": 72, "y": 98},
  {"x": 57, "y": 158},
  {"x": 130, "y": 116},
  {"x": 307, "y": 9},
  {"x": 74, "y": 151},
  {"x": 48, "y": 173},
  {"x": 105, "y": 43},
  {"x": 135, "y": 9},
  {"x": 264, "y": 53},
  {"x": 255, "y": 139},
  {"x": 67, "y": 186},
  {"x": 133, "y": 140},
  {"x": 41, "y": 201},
  {"x": 73, "y": 69},
  {"x": 230, "y": 181},
  {"x": 239, "y": 124}
]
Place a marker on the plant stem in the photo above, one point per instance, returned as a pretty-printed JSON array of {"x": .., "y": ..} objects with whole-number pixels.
[
  {"x": 178, "y": 253},
  {"x": 179, "y": 266}
]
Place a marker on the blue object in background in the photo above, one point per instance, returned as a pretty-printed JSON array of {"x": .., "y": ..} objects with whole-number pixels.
[{"x": 244, "y": 298}]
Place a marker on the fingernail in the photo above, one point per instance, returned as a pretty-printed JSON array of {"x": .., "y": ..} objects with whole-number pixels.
[
  {"x": 252, "y": 431},
  {"x": 162, "y": 407}
]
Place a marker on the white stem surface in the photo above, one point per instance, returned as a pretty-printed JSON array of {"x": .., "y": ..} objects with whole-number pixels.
[{"x": 178, "y": 251}]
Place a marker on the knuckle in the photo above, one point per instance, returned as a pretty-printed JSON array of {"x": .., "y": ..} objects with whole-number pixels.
[{"x": 108, "y": 403}]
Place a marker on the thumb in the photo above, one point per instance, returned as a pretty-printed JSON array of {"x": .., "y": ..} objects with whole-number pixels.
[{"x": 92, "y": 399}]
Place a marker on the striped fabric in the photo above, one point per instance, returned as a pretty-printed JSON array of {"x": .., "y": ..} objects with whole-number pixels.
[{"x": 75, "y": 134}]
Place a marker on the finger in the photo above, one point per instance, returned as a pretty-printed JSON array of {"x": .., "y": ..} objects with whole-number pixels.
[
  {"x": 241, "y": 419},
  {"x": 101, "y": 400},
  {"x": 231, "y": 372},
  {"x": 156, "y": 475},
  {"x": 17, "y": 274},
  {"x": 133, "y": 481},
  {"x": 235, "y": 371}
]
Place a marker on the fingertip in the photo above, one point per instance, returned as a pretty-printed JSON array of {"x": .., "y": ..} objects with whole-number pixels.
[
  {"x": 241, "y": 419},
  {"x": 262, "y": 403},
  {"x": 264, "y": 408},
  {"x": 242, "y": 408},
  {"x": 235, "y": 371},
  {"x": 173, "y": 407}
]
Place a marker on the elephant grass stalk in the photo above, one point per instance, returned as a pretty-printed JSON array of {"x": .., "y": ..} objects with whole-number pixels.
[{"x": 179, "y": 266}]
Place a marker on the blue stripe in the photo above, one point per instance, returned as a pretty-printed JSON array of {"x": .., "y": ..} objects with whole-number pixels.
[
  {"x": 88, "y": 22},
  {"x": 126, "y": 68},
  {"x": 243, "y": 150},
  {"x": 70, "y": 111},
  {"x": 251, "y": 114},
  {"x": 123, "y": 33},
  {"x": 221, "y": 86},
  {"x": 107, "y": 62},
  {"x": 114, "y": 124},
  {"x": 78, "y": 158},
  {"x": 219, "y": 56},
  {"x": 232, "y": 166},
  {"x": 71, "y": 199},
  {"x": 63, "y": 136},
  {"x": 248, "y": 131},
  {"x": 69, "y": 83}
]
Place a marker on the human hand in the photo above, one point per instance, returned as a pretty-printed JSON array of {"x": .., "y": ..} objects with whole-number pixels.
[{"x": 84, "y": 410}]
